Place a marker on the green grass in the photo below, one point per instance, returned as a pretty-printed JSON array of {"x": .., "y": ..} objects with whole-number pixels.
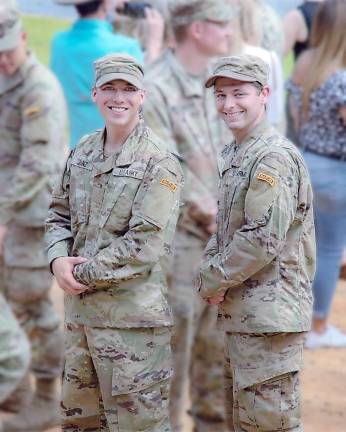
[{"x": 41, "y": 31}]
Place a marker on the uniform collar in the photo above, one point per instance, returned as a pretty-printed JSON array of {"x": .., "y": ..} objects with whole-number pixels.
[
  {"x": 191, "y": 85},
  {"x": 250, "y": 141},
  {"x": 9, "y": 83},
  {"x": 128, "y": 152}
]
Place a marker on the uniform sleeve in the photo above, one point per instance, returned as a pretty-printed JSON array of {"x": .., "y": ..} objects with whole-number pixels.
[
  {"x": 59, "y": 237},
  {"x": 33, "y": 171},
  {"x": 195, "y": 193},
  {"x": 154, "y": 213},
  {"x": 270, "y": 208}
]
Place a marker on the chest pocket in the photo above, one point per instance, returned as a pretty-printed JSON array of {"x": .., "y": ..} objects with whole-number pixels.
[
  {"x": 233, "y": 190},
  {"x": 80, "y": 188},
  {"x": 120, "y": 193}
]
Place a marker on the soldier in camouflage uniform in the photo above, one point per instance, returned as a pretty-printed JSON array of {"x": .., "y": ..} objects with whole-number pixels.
[
  {"x": 32, "y": 126},
  {"x": 182, "y": 113},
  {"x": 259, "y": 265},
  {"x": 14, "y": 352},
  {"x": 110, "y": 229}
]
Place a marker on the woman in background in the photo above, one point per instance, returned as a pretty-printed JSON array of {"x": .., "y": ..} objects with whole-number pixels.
[{"x": 318, "y": 106}]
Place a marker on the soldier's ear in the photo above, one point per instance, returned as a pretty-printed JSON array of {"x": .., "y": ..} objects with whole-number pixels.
[
  {"x": 265, "y": 94},
  {"x": 93, "y": 94}
]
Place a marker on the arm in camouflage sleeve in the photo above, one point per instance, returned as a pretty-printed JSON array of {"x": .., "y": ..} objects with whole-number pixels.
[
  {"x": 269, "y": 213},
  {"x": 58, "y": 224},
  {"x": 195, "y": 195},
  {"x": 154, "y": 213},
  {"x": 35, "y": 165}
]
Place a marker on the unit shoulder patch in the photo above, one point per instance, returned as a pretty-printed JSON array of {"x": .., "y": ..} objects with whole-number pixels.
[
  {"x": 267, "y": 178},
  {"x": 31, "y": 110},
  {"x": 172, "y": 186}
]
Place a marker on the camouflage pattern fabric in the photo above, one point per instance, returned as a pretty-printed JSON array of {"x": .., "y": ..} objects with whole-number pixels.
[
  {"x": 262, "y": 381},
  {"x": 263, "y": 258},
  {"x": 116, "y": 379},
  {"x": 120, "y": 213},
  {"x": 181, "y": 111},
  {"x": 32, "y": 128},
  {"x": 14, "y": 352},
  {"x": 263, "y": 253},
  {"x": 273, "y": 36}
]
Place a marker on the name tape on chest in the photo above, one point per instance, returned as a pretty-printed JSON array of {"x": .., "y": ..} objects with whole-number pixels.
[
  {"x": 172, "y": 186},
  {"x": 128, "y": 172},
  {"x": 267, "y": 178}
]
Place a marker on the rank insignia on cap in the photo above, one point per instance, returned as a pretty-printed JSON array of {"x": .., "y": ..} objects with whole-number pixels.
[
  {"x": 172, "y": 186},
  {"x": 31, "y": 111},
  {"x": 267, "y": 178}
]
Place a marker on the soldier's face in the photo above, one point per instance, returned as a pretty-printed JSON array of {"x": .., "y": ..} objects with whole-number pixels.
[
  {"x": 119, "y": 103},
  {"x": 214, "y": 37},
  {"x": 12, "y": 60},
  {"x": 240, "y": 104}
]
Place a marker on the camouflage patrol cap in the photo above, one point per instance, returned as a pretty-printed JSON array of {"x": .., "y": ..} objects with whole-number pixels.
[
  {"x": 10, "y": 28},
  {"x": 184, "y": 12},
  {"x": 73, "y": 2},
  {"x": 245, "y": 67},
  {"x": 118, "y": 67}
]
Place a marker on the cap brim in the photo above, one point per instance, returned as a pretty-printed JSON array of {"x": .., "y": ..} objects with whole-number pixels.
[
  {"x": 119, "y": 76},
  {"x": 232, "y": 75}
]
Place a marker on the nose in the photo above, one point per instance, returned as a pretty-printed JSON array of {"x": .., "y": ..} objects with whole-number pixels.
[
  {"x": 117, "y": 96},
  {"x": 229, "y": 102}
]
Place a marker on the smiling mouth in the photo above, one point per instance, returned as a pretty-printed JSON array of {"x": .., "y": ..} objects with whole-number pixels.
[
  {"x": 117, "y": 109},
  {"x": 233, "y": 114}
]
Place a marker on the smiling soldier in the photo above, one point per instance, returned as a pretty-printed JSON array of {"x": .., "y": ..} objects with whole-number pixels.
[
  {"x": 259, "y": 265},
  {"x": 111, "y": 224}
]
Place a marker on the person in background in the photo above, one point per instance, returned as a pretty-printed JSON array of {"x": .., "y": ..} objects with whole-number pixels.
[
  {"x": 180, "y": 110},
  {"x": 272, "y": 31},
  {"x": 110, "y": 228},
  {"x": 297, "y": 27},
  {"x": 73, "y": 53},
  {"x": 259, "y": 265},
  {"x": 317, "y": 97},
  {"x": 15, "y": 353},
  {"x": 151, "y": 28},
  {"x": 248, "y": 39},
  {"x": 32, "y": 128}
]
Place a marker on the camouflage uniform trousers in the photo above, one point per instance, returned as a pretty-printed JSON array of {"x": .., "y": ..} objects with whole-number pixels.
[
  {"x": 198, "y": 347},
  {"x": 262, "y": 381},
  {"x": 14, "y": 352},
  {"x": 116, "y": 380},
  {"x": 26, "y": 289}
]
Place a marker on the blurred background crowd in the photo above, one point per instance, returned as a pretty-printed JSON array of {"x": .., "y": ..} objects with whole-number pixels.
[{"x": 304, "y": 45}]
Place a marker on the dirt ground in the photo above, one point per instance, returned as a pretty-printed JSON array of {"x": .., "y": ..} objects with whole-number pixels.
[{"x": 324, "y": 377}]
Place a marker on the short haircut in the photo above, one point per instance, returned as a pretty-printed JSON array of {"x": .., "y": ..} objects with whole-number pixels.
[
  {"x": 180, "y": 30},
  {"x": 88, "y": 8}
]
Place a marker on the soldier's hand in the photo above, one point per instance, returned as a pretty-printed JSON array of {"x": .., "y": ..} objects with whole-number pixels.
[
  {"x": 156, "y": 30},
  {"x": 3, "y": 231},
  {"x": 219, "y": 298},
  {"x": 63, "y": 271},
  {"x": 204, "y": 212}
]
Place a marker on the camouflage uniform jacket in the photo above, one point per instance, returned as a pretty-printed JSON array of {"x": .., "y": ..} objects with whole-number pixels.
[
  {"x": 263, "y": 254},
  {"x": 182, "y": 112},
  {"x": 120, "y": 213},
  {"x": 32, "y": 128}
]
